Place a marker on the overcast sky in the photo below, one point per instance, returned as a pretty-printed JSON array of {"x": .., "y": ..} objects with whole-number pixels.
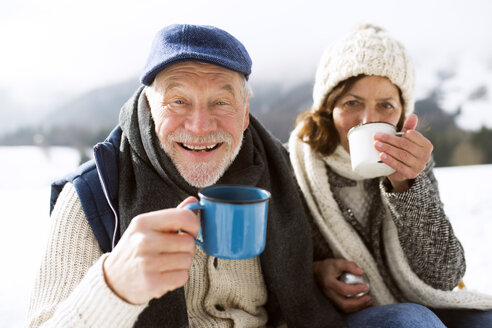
[{"x": 52, "y": 49}]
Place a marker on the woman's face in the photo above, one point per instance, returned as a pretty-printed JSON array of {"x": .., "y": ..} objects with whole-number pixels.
[{"x": 370, "y": 99}]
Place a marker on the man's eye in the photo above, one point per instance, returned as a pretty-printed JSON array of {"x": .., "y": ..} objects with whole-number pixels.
[
  {"x": 387, "y": 105},
  {"x": 221, "y": 103},
  {"x": 179, "y": 102}
]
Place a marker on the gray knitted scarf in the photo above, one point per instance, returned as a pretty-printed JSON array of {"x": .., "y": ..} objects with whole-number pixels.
[{"x": 149, "y": 181}]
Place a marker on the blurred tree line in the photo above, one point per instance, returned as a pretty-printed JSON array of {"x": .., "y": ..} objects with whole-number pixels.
[{"x": 452, "y": 145}]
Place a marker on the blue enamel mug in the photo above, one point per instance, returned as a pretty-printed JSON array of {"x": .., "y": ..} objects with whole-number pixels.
[{"x": 233, "y": 221}]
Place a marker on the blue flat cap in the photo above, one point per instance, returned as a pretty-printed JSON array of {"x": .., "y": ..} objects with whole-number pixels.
[{"x": 178, "y": 43}]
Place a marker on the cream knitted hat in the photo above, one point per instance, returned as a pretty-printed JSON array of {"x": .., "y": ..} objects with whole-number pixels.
[{"x": 368, "y": 50}]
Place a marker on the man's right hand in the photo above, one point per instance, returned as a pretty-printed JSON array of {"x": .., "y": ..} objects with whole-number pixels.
[
  {"x": 153, "y": 257},
  {"x": 327, "y": 273}
]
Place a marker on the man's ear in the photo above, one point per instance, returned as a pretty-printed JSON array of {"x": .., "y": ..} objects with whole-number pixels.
[
  {"x": 246, "y": 115},
  {"x": 149, "y": 96}
]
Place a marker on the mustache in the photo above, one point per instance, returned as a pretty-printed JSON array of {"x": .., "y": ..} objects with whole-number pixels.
[{"x": 212, "y": 137}]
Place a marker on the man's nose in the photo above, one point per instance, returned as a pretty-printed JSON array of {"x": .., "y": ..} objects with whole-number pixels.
[{"x": 201, "y": 121}]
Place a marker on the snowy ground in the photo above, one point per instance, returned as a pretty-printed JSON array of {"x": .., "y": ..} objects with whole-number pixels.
[
  {"x": 24, "y": 204},
  {"x": 467, "y": 196},
  {"x": 24, "y": 213}
]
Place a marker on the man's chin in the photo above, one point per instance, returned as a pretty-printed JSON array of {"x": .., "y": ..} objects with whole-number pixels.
[
  {"x": 203, "y": 173},
  {"x": 200, "y": 177}
]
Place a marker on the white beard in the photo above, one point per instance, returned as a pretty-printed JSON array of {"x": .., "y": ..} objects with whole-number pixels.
[{"x": 207, "y": 173}]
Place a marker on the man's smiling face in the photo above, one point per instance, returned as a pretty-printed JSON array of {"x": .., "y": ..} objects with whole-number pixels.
[{"x": 200, "y": 113}]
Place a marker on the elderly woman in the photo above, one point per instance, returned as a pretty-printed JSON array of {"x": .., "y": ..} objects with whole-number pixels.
[{"x": 390, "y": 230}]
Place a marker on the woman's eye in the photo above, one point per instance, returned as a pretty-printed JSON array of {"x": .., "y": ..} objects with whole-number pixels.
[
  {"x": 352, "y": 103},
  {"x": 179, "y": 102},
  {"x": 387, "y": 106}
]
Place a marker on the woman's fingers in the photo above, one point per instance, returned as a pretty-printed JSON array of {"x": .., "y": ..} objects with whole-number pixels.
[
  {"x": 327, "y": 273},
  {"x": 408, "y": 154},
  {"x": 348, "y": 304}
]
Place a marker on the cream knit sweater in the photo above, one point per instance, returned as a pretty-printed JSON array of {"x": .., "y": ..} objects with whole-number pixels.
[{"x": 70, "y": 289}]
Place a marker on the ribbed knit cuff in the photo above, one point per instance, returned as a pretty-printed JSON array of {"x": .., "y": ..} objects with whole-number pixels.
[{"x": 96, "y": 305}]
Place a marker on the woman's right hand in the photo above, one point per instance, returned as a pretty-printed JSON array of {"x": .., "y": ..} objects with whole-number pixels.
[{"x": 327, "y": 273}]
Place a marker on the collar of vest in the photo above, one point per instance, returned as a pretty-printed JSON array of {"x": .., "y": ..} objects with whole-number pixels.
[
  {"x": 106, "y": 158},
  {"x": 96, "y": 183}
]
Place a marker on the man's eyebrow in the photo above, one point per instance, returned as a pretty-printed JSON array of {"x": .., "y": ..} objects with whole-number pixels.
[
  {"x": 228, "y": 88},
  {"x": 172, "y": 85}
]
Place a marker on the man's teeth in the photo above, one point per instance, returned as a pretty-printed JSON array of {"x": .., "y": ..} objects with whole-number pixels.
[{"x": 199, "y": 148}]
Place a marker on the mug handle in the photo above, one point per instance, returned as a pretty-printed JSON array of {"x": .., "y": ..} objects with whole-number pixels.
[{"x": 197, "y": 207}]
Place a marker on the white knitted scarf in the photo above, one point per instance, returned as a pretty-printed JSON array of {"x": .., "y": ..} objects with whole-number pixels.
[{"x": 310, "y": 171}]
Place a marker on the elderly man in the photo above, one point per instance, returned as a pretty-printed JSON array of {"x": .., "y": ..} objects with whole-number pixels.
[{"x": 188, "y": 127}]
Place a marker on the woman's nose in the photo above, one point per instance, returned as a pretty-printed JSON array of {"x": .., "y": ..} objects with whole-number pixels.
[{"x": 369, "y": 115}]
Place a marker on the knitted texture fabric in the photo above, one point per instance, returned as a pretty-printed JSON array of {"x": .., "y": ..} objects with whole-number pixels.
[
  {"x": 340, "y": 235},
  {"x": 225, "y": 293},
  {"x": 71, "y": 277},
  {"x": 345, "y": 243},
  {"x": 358, "y": 201},
  {"x": 368, "y": 50},
  {"x": 65, "y": 294},
  {"x": 181, "y": 42}
]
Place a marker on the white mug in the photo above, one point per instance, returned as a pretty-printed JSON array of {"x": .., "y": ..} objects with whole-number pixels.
[{"x": 364, "y": 157}]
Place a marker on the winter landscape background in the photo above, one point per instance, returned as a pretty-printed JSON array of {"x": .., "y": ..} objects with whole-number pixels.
[
  {"x": 66, "y": 68},
  {"x": 63, "y": 81}
]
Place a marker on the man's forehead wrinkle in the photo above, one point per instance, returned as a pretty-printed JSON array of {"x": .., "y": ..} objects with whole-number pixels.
[
  {"x": 228, "y": 87},
  {"x": 172, "y": 85},
  {"x": 175, "y": 83}
]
